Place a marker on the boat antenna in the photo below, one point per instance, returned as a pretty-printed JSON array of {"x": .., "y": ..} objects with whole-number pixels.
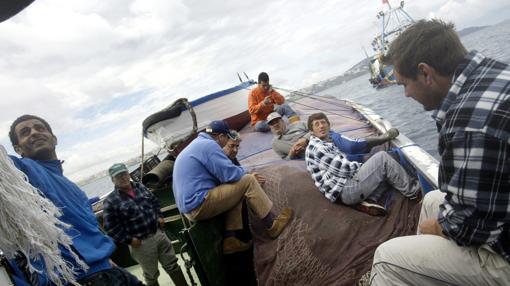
[
  {"x": 247, "y": 78},
  {"x": 240, "y": 79}
]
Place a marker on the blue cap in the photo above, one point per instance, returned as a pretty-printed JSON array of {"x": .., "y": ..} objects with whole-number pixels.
[{"x": 220, "y": 127}]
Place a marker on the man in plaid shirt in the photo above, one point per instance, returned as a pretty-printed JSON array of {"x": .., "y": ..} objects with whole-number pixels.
[
  {"x": 464, "y": 226},
  {"x": 132, "y": 216},
  {"x": 351, "y": 182}
]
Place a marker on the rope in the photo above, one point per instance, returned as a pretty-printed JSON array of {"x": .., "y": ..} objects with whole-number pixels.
[{"x": 29, "y": 223}]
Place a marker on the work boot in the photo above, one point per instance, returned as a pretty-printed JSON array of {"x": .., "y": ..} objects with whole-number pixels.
[
  {"x": 293, "y": 118},
  {"x": 280, "y": 222},
  {"x": 178, "y": 278},
  {"x": 372, "y": 209},
  {"x": 232, "y": 245}
]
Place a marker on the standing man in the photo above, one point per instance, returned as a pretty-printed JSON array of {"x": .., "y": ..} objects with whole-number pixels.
[
  {"x": 206, "y": 183},
  {"x": 132, "y": 215},
  {"x": 465, "y": 225},
  {"x": 263, "y": 100},
  {"x": 33, "y": 139},
  {"x": 350, "y": 182}
]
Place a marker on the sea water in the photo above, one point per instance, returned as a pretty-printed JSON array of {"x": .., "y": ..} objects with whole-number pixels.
[{"x": 404, "y": 113}]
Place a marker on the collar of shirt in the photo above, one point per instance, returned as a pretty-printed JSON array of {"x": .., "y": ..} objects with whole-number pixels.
[{"x": 462, "y": 72}]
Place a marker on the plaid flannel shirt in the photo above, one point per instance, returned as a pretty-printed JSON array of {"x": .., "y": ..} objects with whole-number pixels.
[
  {"x": 329, "y": 167},
  {"x": 126, "y": 218},
  {"x": 474, "y": 133}
]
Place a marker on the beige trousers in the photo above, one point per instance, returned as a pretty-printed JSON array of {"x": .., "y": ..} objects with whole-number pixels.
[
  {"x": 228, "y": 199},
  {"x": 433, "y": 260}
]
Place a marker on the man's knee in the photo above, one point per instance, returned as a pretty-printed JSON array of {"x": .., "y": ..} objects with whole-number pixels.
[
  {"x": 380, "y": 156},
  {"x": 432, "y": 199},
  {"x": 381, "y": 253},
  {"x": 248, "y": 180}
]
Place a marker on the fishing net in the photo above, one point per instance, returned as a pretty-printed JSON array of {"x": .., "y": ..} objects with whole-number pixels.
[
  {"x": 326, "y": 243},
  {"x": 29, "y": 224}
]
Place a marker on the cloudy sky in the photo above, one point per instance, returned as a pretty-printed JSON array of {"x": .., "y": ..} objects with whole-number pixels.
[{"x": 95, "y": 69}]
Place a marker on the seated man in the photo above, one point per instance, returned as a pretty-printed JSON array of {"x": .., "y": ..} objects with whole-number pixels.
[
  {"x": 263, "y": 100},
  {"x": 351, "y": 182},
  {"x": 231, "y": 149},
  {"x": 290, "y": 142},
  {"x": 206, "y": 183}
]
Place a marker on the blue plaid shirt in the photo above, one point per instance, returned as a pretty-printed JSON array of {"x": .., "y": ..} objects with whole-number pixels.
[
  {"x": 126, "y": 218},
  {"x": 474, "y": 133}
]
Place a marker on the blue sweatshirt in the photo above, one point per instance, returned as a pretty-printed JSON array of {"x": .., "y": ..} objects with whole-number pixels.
[
  {"x": 200, "y": 167},
  {"x": 89, "y": 242}
]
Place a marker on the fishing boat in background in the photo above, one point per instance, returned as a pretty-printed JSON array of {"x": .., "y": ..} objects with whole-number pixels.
[
  {"x": 302, "y": 255},
  {"x": 393, "y": 21}
]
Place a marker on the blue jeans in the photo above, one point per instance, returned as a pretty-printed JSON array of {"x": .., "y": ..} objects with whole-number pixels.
[
  {"x": 283, "y": 110},
  {"x": 114, "y": 276}
]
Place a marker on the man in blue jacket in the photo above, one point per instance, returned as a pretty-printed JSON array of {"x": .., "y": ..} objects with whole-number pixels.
[
  {"x": 206, "y": 183},
  {"x": 33, "y": 139}
]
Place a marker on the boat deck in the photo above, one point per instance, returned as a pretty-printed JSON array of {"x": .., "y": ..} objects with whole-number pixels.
[
  {"x": 164, "y": 279},
  {"x": 325, "y": 243}
]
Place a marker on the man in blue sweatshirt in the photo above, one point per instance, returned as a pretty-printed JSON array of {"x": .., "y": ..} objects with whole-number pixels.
[
  {"x": 206, "y": 183},
  {"x": 33, "y": 139}
]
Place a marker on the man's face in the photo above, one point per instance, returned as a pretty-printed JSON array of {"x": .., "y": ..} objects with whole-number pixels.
[
  {"x": 122, "y": 180},
  {"x": 265, "y": 85},
  {"x": 35, "y": 141},
  {"x": 277, "y": 126},
  {"x": 231, "y": 148},
  {"x": 421, "y": 90},
  {"x": 320, "y": 128},
  {"x": 223, "y": 139}
]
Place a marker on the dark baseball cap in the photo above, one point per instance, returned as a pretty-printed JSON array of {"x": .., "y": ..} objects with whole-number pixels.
[{"x": 220, "y": 127}]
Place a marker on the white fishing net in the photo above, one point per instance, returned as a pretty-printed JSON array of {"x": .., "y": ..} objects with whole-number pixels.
[{"x": 29, "y": 223}]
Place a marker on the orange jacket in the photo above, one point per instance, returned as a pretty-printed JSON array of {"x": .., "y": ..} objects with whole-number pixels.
[{"x": 259, "y": 111}]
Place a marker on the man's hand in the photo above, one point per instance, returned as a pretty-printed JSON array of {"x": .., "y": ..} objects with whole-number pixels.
[
  {"x": 161, "y": 223},
  {"x": 392, "y": 133},
  {"x": 261, "y": 179},
  {"x": 298, "y": 148},
  {"x": 267, "y": 100},
  {"x": 135, "y": 242},
  {"x": 431, "y": 226}
]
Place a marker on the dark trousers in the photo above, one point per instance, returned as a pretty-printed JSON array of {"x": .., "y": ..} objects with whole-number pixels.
[{"x": 115, "y": 276}]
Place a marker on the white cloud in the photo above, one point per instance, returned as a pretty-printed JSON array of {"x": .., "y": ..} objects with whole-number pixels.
[{"x": 95, "y": 69}]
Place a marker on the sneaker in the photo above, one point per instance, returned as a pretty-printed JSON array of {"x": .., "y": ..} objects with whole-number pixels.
[
  {"x": 232, "y": 245},
  {"x": 280, "y": 222},
  {"x": 294, "y": 118},
  {"x": 415, "y": 191},
  {"x": 371, "y": 208}
]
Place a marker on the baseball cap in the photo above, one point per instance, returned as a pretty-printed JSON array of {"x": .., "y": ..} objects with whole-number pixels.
[
  {"x": 272, "y": 116},
  {"x": 220, "y": 127},
  {"x": 116, "y": 169}
]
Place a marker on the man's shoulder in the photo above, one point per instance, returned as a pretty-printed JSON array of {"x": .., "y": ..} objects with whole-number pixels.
[{"x": 112, "y": 197}]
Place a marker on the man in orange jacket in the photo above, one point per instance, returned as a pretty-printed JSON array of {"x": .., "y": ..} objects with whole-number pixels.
[{"x": 263, "y": 100}]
